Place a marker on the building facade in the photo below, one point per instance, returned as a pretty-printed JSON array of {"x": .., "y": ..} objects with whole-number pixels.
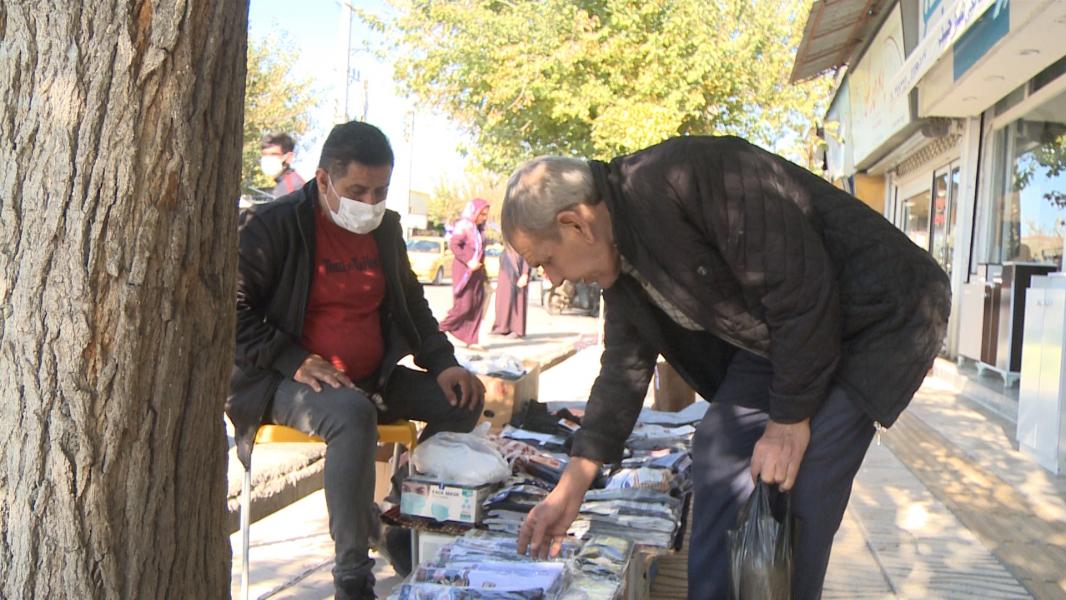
[{"x": 949, "y": 117}]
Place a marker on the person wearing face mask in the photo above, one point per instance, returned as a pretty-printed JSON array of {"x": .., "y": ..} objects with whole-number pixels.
[
  {"x": 276, "y": 156},
  {"x": 327, "y": 305}
]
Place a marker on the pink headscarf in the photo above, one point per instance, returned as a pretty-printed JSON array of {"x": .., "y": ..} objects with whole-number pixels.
[
  {"x": 473, "y": 208},
  {"x": 467, "y": 226}
]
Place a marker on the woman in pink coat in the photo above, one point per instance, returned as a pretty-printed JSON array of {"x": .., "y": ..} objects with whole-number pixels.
[{"x": 468, "y": 274}]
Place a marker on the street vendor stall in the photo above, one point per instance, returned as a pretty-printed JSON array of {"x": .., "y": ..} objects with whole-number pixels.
[{"x": 466, "y": 530}]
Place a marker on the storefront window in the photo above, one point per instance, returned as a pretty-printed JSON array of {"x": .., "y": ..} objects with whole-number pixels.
[
  {"x": 915, "y": 218},
  {"x": 1029, "y": 201}
]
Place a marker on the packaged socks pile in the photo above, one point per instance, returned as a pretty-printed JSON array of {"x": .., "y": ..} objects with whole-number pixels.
[{"x": 486, "y": 566}]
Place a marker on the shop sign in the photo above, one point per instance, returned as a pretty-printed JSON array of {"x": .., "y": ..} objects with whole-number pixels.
[
  {"x": 938, "y": 38},
  {"x": 876, "y": 115}
]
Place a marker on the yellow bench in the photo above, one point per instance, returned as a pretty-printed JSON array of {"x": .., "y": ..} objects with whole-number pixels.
[{"x": 401, "y": 432}]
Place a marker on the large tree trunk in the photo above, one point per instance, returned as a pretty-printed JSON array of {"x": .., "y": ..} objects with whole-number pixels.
[{"x": 120, "y": 139}]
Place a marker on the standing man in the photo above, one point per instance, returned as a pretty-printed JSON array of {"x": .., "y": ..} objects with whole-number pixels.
[
  {"x": 326, "y": 307},
  {"x": 803, "y": 315},
  {"x": 277, "y": 153}
]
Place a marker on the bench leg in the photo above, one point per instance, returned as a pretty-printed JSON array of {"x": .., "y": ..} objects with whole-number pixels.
[{"x": 246, "y": 509}]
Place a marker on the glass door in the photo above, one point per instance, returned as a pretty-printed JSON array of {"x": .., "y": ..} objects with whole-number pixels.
[
  {"x": 943, "y": 211},
  {"x": 915, "y": 218}
]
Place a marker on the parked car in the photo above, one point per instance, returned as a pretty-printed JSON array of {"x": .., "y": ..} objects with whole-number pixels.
[
  {"x": 492, "y": 260},
  {"x": 431, "y": 259}
]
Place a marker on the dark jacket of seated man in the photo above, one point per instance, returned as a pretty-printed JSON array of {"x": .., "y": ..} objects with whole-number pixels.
[{"x": 277, "y": 248}]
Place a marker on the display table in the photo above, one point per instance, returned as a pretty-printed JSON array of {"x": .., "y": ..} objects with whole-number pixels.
[{"x": 635, "y": 516}]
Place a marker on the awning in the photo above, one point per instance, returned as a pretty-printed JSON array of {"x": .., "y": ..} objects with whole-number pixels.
[{"x": 835, "y": 30}]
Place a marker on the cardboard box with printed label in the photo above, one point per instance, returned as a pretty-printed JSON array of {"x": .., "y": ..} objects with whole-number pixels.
[{"x": 431, "y": 499}]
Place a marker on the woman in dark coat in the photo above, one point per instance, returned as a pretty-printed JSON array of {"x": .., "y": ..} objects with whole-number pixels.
[
  {"x": 512, "y": 295},
  {"x": 468, "y": 274}
]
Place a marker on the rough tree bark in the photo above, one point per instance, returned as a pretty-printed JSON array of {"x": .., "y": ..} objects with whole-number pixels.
[{"x": 120, "y": 140}]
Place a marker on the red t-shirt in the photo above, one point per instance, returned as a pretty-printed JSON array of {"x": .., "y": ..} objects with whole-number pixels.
[{"x": 343, "y": 323}]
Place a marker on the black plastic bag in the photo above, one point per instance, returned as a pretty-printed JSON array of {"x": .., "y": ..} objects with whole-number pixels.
[{"x": 760, "y": 549}]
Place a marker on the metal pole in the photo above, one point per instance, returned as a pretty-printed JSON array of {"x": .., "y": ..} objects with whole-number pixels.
[
  {"x": 410, "y": 165},
  {"x": 347, "y": 58},
  {"x": 366, "y": 98}
]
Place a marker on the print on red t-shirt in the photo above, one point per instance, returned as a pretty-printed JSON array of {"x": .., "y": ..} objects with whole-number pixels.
[{"x": 343, "y": 322}]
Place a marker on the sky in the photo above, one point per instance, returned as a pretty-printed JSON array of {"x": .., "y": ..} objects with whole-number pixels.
[{"x": 315, "y": 29}]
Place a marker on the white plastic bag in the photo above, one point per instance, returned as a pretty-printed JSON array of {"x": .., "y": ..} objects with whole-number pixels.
[{"x": 461, "y": 458}]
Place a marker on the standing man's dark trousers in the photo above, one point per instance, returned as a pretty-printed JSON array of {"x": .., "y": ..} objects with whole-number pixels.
[
  {"x": 347, "y": 420},
  {"x": 722, "y": 449}
]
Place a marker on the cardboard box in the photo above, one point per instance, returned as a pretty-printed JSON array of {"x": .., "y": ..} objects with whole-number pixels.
[
  {"x": 640, "y": 575},
  {"x": 425, "y": 497},
  {"x": 505, "y": 397},
  {"x": 671, "y": 392}
]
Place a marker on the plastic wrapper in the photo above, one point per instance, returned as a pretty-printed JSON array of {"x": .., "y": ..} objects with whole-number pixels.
[
  {"x": 503, "y": 366},
  {"x": 432, "y": 591},
  {"x": 461, "y": 458},
  {"x": 760, "y": 549},
  {"x": 643, "y": 477}
]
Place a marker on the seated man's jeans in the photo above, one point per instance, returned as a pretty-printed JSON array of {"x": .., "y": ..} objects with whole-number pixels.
[{"x": 347, "y": 420}]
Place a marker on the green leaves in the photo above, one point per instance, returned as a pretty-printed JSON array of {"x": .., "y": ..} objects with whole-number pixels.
[
  {"x": 275, "y": 101},
  {"x": 606, "y": 77}
]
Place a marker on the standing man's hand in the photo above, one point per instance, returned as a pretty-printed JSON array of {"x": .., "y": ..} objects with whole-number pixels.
[
  {"x": 315, "y": 371},
  {"x": 474, "y": 265},
  {"x": 523, "y": 281},
  {"x": 779, "y": 452},
  {"x": 471, "y": 390},
  {"x": 545, "y": 527}
]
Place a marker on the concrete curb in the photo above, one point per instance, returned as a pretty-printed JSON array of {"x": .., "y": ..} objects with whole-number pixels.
[{"x": 290, "y": 473}]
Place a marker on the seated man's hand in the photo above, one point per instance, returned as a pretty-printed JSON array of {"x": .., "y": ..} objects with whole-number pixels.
[
  {"x": 779, "y": 452},
  {"x": 471, "y": 390},
  {"x": 315, "y": 370}
]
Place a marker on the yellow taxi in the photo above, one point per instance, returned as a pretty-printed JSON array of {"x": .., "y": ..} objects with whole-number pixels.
[
  {"x": 431, "y": 259},
  {"x": 492, "y": 260}
]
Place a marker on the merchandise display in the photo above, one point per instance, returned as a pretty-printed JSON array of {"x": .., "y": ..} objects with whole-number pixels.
[{"x": 635, "y": 505}]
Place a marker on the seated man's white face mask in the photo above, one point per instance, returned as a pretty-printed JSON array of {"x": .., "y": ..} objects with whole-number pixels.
[{"x": 355, "y": 216}]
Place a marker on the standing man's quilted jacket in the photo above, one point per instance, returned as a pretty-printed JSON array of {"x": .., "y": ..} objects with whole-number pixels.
[{"x": 772, "y": 259}]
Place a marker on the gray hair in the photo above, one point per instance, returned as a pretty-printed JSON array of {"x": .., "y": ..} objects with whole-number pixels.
[{"x": 541, "y": 189}]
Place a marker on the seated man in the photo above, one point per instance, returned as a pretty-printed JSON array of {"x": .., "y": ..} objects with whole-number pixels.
[
  {"x": 326, "y": 306},
  {"x": 803, "y": 315}
]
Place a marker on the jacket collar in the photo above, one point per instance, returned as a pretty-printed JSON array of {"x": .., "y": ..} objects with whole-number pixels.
[
  {"x": 608, "y": 191},
  {"x": 633, "y": 244}
]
